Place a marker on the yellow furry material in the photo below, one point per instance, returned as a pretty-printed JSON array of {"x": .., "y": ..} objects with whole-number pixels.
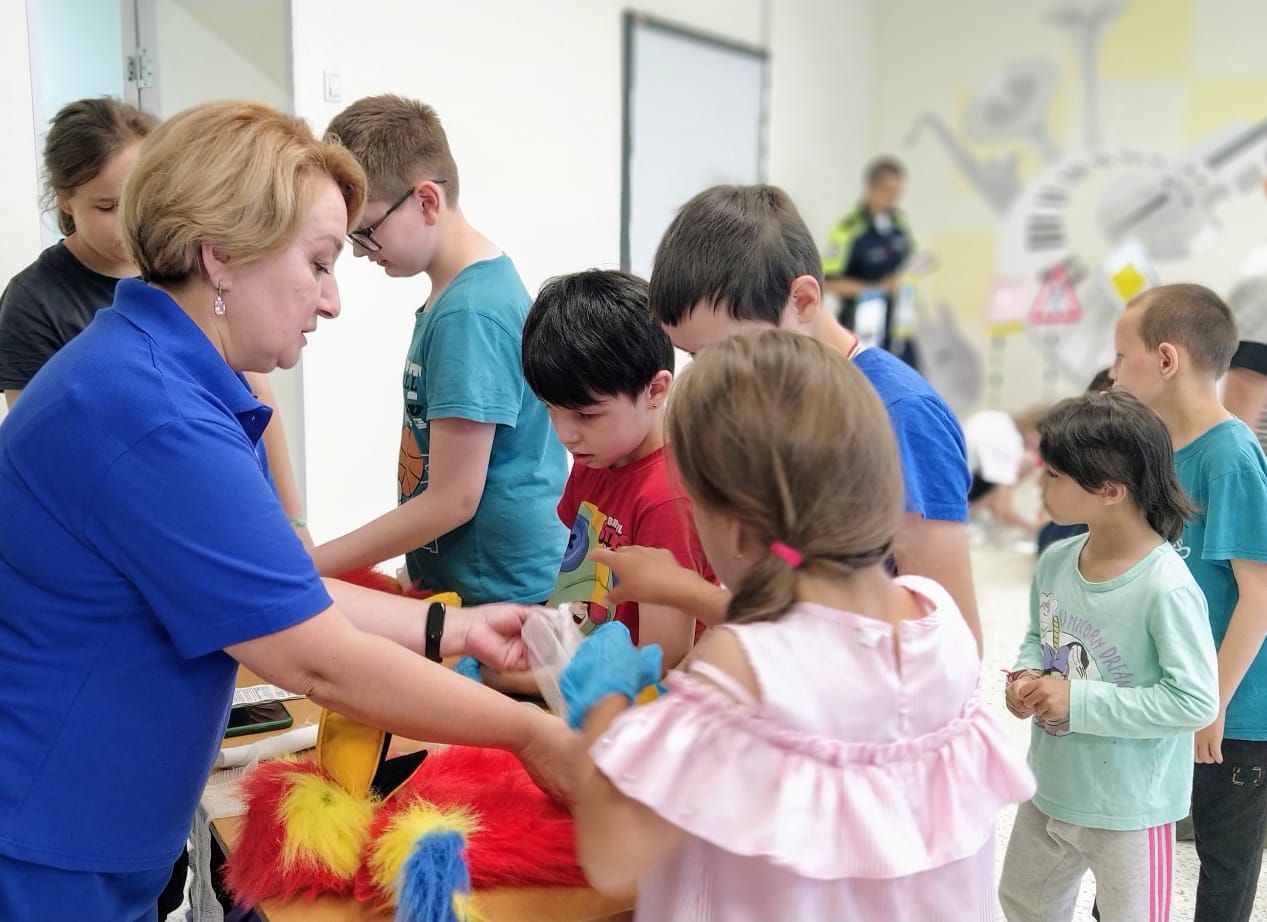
[
  {"x": 324, "y": 823},
  {"x": 392, "y": 849},
  {"x": 650, "y": 693},
  {"x": 465, "y": 908}
]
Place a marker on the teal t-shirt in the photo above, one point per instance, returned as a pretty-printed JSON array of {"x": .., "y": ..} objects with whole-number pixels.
[
  {"x": 1143, "y": 677},
  {"x": 464, "y": 363},
  {"x": 1225, "y": 474}
]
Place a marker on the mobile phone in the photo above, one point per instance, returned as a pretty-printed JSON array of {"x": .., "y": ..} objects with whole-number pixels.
[{"x": 258, "y": 718}]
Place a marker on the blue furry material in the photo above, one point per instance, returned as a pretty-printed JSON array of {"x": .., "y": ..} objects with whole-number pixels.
[
  {"x": 469, "y": 666},
  {"x": 434, "y": 872}
]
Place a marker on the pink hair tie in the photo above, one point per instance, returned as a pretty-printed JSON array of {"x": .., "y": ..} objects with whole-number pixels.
[{"x": 791, "y": 555}]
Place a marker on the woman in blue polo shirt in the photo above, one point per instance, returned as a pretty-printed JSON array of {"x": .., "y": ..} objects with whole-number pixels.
[{"x": 143, "y": 554}]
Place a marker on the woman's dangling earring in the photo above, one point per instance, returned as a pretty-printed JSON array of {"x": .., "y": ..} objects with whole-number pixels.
[{"x": 218, "y": 305}]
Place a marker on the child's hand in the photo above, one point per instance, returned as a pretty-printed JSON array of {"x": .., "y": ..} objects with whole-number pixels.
[
  {"x": 1017, "y": 684},
  {"x": 1209, "y": 743},
  {"x": 649, "y": 575},
  {"x": 1048, "y": 698}
]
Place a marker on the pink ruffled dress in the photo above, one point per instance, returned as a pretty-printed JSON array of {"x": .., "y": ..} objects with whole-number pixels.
[{"x": 854, "y": 789}]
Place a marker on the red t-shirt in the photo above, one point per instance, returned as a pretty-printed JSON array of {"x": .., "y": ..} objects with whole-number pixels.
[{"x": 640, "y": 504}]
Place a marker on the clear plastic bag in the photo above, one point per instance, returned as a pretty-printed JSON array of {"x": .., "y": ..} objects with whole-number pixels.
[{"x": 552, "y": 638}]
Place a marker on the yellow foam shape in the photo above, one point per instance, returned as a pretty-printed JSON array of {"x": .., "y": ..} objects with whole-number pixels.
[{"x": 351, "y": 751}]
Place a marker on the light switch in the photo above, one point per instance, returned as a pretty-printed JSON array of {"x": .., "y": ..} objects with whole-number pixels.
[{"x": 333, "y": 85}]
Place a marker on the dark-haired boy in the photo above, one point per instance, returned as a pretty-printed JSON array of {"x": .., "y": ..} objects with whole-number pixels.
[{"x": 603, "y": 367}]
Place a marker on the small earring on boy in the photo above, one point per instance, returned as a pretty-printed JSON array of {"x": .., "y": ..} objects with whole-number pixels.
[{"x": 218, "y": 304}]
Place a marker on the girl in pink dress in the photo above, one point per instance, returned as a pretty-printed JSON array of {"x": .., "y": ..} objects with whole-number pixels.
[{"x": 825, "y": 755}]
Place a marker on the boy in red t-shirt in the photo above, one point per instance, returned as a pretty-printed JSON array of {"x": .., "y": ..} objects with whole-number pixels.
[{"x": 603, "y": 367}]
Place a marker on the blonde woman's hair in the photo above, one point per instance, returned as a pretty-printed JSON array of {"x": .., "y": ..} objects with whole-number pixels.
[
  {"x": 238, "y": 175},
  {"x": 399, "y": 142},
  {"x": 784, "y": 434}
]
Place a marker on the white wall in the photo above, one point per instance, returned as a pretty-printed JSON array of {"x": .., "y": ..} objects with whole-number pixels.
[
  {"x": 1170, "y": 73},
  {"x": 19, "y": 193},
  {"x": 229, "y": 49},
  {"x": 530, "y": 95},
  {"x": 823, "y": 127}
]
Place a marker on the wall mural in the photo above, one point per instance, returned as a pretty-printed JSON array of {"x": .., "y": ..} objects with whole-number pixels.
[{"x": 1096, "y": 224}]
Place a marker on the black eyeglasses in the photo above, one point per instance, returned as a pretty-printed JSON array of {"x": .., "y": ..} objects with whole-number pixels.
[{"x": 364, "y": 236}]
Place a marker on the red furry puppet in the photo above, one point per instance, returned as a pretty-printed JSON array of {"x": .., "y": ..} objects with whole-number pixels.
[{"x": 415, "y": 833}]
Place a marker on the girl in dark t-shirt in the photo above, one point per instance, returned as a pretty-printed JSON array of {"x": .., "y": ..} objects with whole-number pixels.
[{"x": 89, "y": 151}]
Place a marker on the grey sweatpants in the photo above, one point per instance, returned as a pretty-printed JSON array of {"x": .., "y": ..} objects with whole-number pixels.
[{"x": 1046, "y": 859}]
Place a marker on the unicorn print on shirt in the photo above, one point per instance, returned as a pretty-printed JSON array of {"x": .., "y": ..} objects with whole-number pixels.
[{"x": 1065, "y": 655}]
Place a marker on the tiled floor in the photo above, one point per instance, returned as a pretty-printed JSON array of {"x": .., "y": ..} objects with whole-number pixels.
[{"x": 1002, "y": 579}]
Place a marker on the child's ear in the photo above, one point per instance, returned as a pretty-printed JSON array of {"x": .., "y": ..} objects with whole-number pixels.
[
  {"x": 742, "y": 541},
  {"x": 805, "y": 298},
  {"x": 429, "y": 198},
  {"x": 1168, "y": 359},
  {"x": 658, "y": 389},
  {"x": 1113, "y": 493}
]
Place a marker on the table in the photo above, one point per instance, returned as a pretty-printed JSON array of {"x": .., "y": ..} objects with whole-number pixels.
[{"x": 503, "y": 904}]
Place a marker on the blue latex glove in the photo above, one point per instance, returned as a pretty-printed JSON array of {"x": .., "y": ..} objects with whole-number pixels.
[
  {"x": 469, "y": 666},
  {"x": 607, "y": 663}
]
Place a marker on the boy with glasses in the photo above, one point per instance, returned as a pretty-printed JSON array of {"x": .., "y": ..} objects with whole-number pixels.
[{"x": 480, "y": 469}]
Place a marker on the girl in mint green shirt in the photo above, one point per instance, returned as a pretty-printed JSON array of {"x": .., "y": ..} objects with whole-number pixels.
[{"x": 1117, "y": 670}]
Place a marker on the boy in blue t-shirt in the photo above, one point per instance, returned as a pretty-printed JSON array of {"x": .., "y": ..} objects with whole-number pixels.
[
  {"x": 738, "y": 259},
  {"x": 1173, "y": 345},
  {"x": 480, "y": 469}
]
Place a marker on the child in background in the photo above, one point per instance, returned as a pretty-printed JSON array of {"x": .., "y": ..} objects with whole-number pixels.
[
  {"x": 1002, "y": 452},
  {"x": 88, "y": 152},
  {"x": 825, "y": 753},
  {"x": 479, "y": 470},
  {"x": 1173, "y": 344},
  {"x": 1117, "y": 670}
]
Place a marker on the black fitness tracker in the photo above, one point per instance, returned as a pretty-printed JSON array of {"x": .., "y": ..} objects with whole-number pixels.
[{"x": 435, "y": 630}]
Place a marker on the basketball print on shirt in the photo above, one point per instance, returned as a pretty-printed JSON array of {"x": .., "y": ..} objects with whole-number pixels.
[{"x": 411, "y": 468}]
